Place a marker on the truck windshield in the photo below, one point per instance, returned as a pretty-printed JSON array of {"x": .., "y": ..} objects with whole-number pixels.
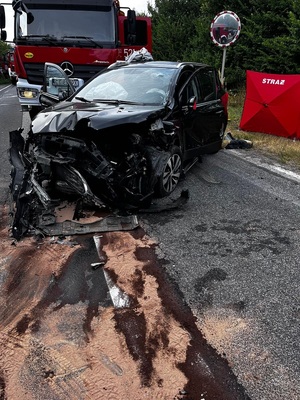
[{"x": 90, "y": 25}]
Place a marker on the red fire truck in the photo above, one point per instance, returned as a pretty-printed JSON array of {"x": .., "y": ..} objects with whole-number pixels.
[
  {"x": 3, "y": 67},
  {"x": 7, "y": 66},
  {"x": 82, "y": 36},
  {"x": 11, "y": 66}
]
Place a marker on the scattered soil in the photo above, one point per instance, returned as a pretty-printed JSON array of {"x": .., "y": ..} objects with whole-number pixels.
[{"x": 63, "y": 337}]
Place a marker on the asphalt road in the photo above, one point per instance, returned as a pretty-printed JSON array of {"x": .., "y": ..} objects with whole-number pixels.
[
  {"x": 233, "y": 253},
  {"x": 10, "y": 119}
]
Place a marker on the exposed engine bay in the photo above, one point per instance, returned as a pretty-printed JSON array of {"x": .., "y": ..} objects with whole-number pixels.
[{"x": 114, "y": 171}]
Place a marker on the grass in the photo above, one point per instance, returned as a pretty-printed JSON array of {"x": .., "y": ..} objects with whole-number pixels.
[
  {"x": 4, "y": 81},
  {"x": 285, "y": 151}
]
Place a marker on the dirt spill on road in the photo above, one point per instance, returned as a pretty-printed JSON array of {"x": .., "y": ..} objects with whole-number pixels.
[{"x": 62, "y": 338}]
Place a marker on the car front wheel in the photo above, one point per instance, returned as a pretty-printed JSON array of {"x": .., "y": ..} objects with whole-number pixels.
[{"x": 170, "y": 176}]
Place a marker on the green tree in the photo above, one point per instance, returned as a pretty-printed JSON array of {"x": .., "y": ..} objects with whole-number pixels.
[
  {"x": 269, "y": 40},
  {"x": 173, "y": 28},
  {"x": 266, "y": 36},
  {"x": 4, "y": 47}
]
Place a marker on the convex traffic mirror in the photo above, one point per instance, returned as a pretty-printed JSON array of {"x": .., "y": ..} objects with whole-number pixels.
[{"x": 225, "y": 28}]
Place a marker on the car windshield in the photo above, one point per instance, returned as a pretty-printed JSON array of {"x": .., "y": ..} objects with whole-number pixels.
[{"x": 137, "y": 85}]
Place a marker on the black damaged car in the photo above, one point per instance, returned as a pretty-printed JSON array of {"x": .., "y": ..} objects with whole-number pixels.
[{"x": 126, "y": 136}]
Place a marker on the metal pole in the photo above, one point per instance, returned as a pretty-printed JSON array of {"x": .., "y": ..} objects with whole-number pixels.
[{"x": 223, "y": 65}]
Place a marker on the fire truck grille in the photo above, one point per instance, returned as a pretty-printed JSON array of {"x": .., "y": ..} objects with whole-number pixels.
[{"x": 35, "y": 72}]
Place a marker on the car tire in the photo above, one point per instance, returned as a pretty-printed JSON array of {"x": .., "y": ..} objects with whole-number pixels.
[{"x": 170, "y": 176}]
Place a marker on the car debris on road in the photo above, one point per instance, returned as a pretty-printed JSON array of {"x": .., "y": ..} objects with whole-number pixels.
[{"x": 231, "y": 142}]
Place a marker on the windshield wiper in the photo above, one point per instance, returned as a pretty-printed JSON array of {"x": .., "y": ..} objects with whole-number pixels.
[
  {"x": 115, "y": 101},
  {"x": 47, "y": 38},
  {"x": 83, "y": 99},
  {"x": 88, "y": 38},
  {"x": 129, "y": 102}
]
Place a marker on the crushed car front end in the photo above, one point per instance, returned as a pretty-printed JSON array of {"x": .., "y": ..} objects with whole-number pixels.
[
  {"x": 96, "y": 163},
  {"x": 126, "y": 136}
]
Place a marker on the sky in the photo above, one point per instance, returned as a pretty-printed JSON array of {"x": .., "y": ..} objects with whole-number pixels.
[{"x": 138, "y": 5}]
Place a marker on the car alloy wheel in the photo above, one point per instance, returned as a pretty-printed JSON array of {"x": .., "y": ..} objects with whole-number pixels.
[{"x": 171, "y": 173}]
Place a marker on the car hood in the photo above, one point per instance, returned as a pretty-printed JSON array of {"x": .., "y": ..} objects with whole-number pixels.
[{"x": 66, "y": 116}]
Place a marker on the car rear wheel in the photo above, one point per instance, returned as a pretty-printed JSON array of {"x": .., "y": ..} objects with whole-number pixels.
[{"x": 170, "y": 176}]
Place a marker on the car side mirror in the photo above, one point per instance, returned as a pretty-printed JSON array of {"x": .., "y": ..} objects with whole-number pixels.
[
  {"x": 48, "y": 100},
  {"x": 168, "y": 126},
  {"x": 192, "y": 103},
  {"x": 63, "y": 95}
]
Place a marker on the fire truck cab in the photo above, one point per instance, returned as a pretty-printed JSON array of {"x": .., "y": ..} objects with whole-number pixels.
[{"x": 82, "y": 36}]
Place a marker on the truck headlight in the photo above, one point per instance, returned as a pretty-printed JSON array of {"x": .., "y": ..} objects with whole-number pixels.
[{"x": 28, "y": 93}]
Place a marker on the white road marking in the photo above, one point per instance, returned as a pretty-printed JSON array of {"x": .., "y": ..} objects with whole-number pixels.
[
  {"x": 5, "y": 87},
  {"x": 270, "y": 167}
]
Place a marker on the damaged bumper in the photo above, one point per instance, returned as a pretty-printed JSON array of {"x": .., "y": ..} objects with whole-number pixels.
[{"x": 57, "y": 172}]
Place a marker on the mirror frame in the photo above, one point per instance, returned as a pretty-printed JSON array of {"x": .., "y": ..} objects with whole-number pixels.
[
  {"x": 235, "y": 36},
  {"x": 3, "y": 36},
  {"x": 2, "y": 17}
]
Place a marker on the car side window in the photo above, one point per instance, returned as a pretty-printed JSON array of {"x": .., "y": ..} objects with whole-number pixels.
[
  {"x": 207, "y": 84},
  {"x": 180, "y": 84},
  {"x": 192, "y": 89}
]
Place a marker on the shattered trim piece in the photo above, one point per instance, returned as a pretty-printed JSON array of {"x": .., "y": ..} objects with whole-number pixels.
[
  {"x": 119, "y": 298},
  {"x": 108, "y": 224},
  {"x": 179, "y": 202}
]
